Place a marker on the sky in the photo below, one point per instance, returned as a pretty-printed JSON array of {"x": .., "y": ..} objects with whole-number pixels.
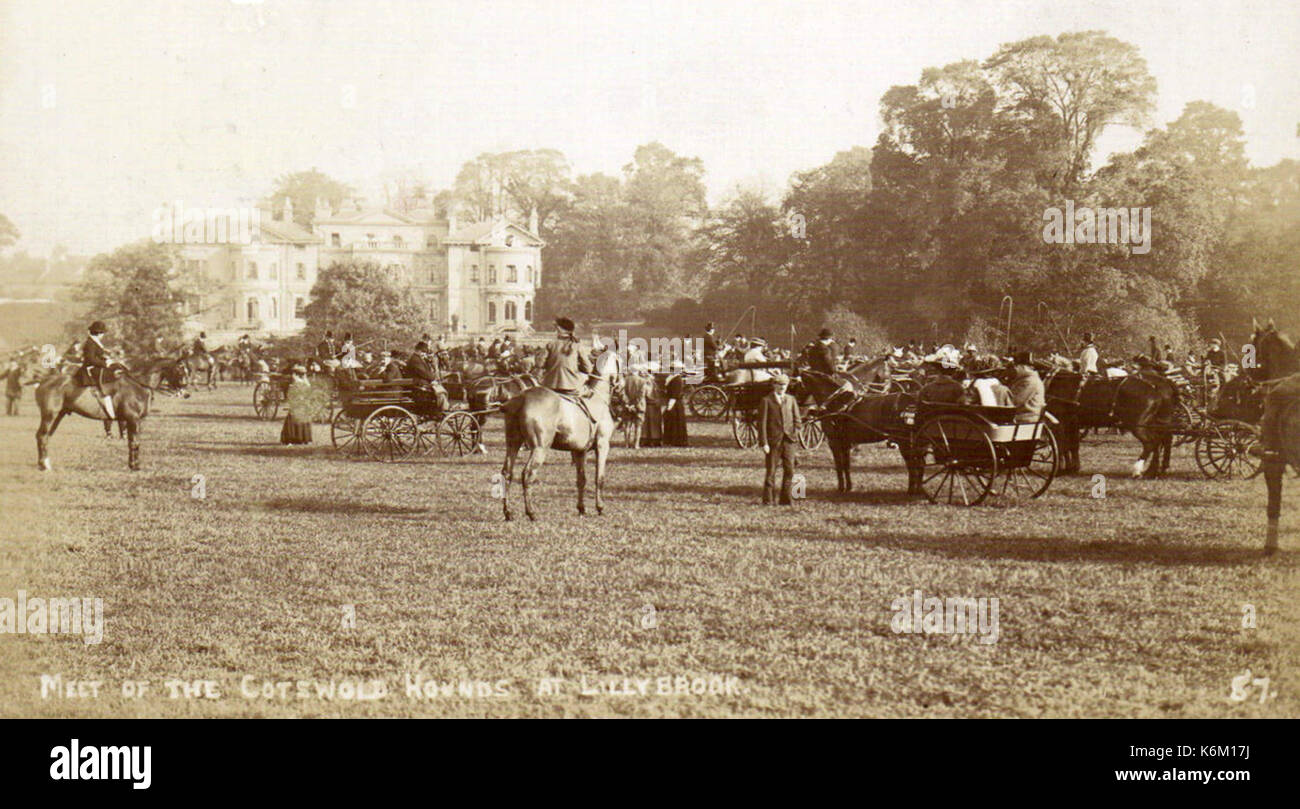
[{"x": 110, "y": 109}]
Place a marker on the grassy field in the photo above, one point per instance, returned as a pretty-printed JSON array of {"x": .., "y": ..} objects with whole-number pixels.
[{"x": 304, "y": 568}]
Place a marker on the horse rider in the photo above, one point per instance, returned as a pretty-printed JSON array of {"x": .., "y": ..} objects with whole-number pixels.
[
  {"x": 94, "y": 363},
  {"x": 566, "y": 363},
  {"x": 1028, "y": 394},
  {"x": 1088, "y": 358},
  {"x": 201, "y": 346},
  {"x": 824, "y": 357}
]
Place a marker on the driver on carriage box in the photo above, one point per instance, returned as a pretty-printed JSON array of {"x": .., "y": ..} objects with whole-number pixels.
[
  {"x": 1089, "y": 356},
  {"x": 94, "y": 363},
  {"x": 823, "y": 356},
  {"x": 566, "y": 363},
  {"x": 1027, "y": 391}
]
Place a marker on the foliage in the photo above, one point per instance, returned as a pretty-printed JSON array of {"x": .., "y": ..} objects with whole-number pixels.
[{"x": 363, "y": 298}]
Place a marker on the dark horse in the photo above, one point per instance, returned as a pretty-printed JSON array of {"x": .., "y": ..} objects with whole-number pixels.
[
  {"x": 873, "y": 418},
  {"x": 543, "y": 419},
  {"x": 1276, "y": 357},
  {"x": 61, "y": 393},
  {"x": 1142, "y": 403}
]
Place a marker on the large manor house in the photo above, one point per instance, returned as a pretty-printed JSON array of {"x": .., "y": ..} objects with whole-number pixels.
[{"x": 471, "y": 278}]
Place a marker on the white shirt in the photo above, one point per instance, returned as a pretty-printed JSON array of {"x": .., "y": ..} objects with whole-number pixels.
[{"x": 1088, "y": 360}]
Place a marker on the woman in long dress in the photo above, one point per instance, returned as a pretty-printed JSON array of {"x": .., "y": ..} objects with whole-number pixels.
[
  {"x": 675, "y": 410},
  {"x": 297, "y": 422},
  {"x": 652, "y": 433}
]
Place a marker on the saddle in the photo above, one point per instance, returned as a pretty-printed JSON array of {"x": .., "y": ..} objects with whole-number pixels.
[{"x": 581, "y": 402}]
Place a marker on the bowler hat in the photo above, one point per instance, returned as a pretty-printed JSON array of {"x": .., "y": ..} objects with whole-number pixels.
[{"x": 825, "y": 333}]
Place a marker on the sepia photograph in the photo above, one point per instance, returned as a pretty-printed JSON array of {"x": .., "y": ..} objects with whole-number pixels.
[{"x": 387, "y": 359}]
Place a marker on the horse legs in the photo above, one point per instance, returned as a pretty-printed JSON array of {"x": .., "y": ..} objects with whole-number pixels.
[
  {"x": 132, "y": 445},
  {"x": 602, "y": 455},
  {"x": 507, "y": 471},
  {"x": 48, "y": 425},
  {"x": 580, "y": 469},
  {"x": 536, "y": 457},
  {"x": 841, "y": 457},
  {"x": 1274, "y": 468}
]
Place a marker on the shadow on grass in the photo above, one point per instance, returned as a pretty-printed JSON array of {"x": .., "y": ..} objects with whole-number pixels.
[
  {"x": 331, "y": 505},
  {"x": 1154, "y": 550}
]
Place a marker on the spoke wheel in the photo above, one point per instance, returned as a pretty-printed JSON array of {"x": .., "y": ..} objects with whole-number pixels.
[
  {"x": 707, "y": 402},
  {"x": 958, "y": 460},
  {"x": 811, "y": 434},
  {"x": 1223, "y": 450},
  {"x": 1030, "y": 470},
  {"x": 389, "y": 434},
  {"x": 744, "y": 428},
  {"x": 266, "y": 400},
  {"x": 459, "y": 434},
  {"x": 344, "y": 432}
]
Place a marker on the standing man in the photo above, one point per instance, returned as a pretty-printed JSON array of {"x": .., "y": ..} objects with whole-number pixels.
[
  {"x": 778, "y": 426},
  {"x": 567, "y": 363}
]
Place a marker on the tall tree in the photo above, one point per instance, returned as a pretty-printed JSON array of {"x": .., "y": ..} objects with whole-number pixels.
[
  {"x": 363, "y": 298},
  {"x": 304, "y": 188},
  {"x": 142, "y": 292},
  {"x": 8, "y": 232}
]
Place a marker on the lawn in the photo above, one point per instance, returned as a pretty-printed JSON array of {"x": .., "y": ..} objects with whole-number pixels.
[{"x": 303, "y": 579}]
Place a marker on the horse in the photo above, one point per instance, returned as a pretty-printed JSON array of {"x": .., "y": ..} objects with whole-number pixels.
[
  {"x": 196, "y": 364},
  {"x": 873, "y": 418},
  {"x": 163, "y": 374},
  {"x": 484, "y": 393},
  {"x": 60, "y": 394},
  {"x": 543, "y": 419},
  {"x": 1143, "y": 404},
  {"x": 1276, "y": 357}
]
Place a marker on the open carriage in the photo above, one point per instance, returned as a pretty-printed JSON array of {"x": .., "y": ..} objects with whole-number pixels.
[
  {"x": 390, "y": 420},
  {"x": 271, "y": 391},
  {"x": 968, "y": 453}
]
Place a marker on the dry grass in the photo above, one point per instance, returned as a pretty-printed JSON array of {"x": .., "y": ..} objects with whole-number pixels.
[{"x": 1127, "y": 606}]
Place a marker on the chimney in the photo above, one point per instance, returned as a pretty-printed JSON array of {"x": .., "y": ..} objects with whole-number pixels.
[
  {"x": 451, "y": 220},
  {"x": 532, "y": 220},
  {"x": 287, "y": 216},
  {"x": 322, "y": 209}
]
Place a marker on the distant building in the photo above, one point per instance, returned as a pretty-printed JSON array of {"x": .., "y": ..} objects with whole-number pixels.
[{"x": 480, "y": 278}]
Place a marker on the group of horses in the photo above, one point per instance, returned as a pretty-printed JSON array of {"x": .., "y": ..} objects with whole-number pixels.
[{"x": 540, "y": 419}]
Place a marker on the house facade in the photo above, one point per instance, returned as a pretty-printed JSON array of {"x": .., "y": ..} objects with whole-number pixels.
[{"x": 476, "y": 279}]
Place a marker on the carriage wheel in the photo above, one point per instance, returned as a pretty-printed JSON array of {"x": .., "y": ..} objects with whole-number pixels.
[
  {"x": 811, "y": 434},
  {"x": 958, "y": 460},
  {"x": 1187, "y": 423},
  {"x": 744, "y": 428},
  {"x": 344, "y": 432},
  {"x": 266, "y": 400},
  {"x": 1031, "y": 474},
  {"x": 459, "y": 434},
  {"x": 707, "y": 402},
  {"x": 1223, "y": 450},
  {"x": 426, "y": 435},
  {"x": 389, "y": 434}
]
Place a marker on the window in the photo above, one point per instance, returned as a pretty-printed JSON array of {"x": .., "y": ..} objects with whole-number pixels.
[
  {"x": 371, "y": 240},
  {"x": 473, "y": 273},
  {"x": 252, "y": 309},
  {"x": 492, "y": 273},
  {"x": 252, "y": 270},
  {"x": 234, "y": 310},
  {"x": 273, "y": 271},
  {"x": 335, "y": 241},
  {"x": 431, "y": 242},
  {"x": 433, "y": 310},
  {"x": 275, "y": 308},
  {"x": 511, "y": 311},
  {"x": 512, "y": 274},
  {"x": 492, "y": 312},
  {"x": 397, "y": 242},
  {"x": 530, "y": 273},
  {"x": 302, "y": 271},
  {"x": 528, "y": 311},
  {"x": 300, "y": 308}
]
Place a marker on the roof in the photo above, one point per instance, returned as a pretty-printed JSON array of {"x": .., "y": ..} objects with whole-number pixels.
[
  {"x": 279, "y": 231},
  {"x": 483, "y": 233}
]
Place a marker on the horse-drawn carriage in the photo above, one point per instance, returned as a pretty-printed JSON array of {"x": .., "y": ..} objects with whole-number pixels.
[
  {"x": 271, "y": 391},
  {"x": 965, "y": 453},
  {"x": 1222, "y": 436},
  {"x": 389, "y": 420}
]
